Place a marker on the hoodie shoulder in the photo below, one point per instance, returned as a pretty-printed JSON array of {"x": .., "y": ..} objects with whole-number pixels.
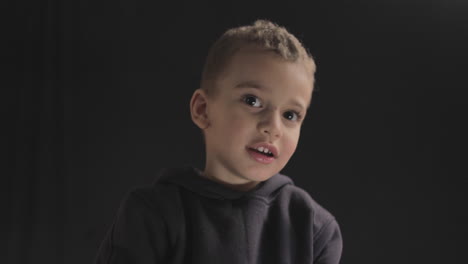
[
  {"x": 300, "y": 200},
  {"x": 162, "y": 200},
  {"x": 304, "y": 210}
]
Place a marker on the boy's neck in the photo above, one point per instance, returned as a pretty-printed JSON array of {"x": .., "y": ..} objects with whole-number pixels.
[{"x": 237, "y": 187}]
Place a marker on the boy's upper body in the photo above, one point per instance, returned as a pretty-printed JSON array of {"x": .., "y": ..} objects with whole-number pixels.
[
  {"x": 256, "y": 88},
  {"x": 186, "y": 218}
]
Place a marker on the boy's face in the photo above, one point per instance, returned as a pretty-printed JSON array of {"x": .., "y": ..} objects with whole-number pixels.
[{"x": 260, "y": 100}]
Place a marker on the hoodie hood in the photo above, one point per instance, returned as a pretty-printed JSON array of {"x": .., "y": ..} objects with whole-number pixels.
[{"x": 190, "y": 178}]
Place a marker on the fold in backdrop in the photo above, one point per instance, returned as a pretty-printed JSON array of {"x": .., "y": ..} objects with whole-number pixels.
[{"x": 96, "y": 99}]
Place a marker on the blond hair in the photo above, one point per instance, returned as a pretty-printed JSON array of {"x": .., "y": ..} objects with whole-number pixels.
[{"x": 263, "y": 34}]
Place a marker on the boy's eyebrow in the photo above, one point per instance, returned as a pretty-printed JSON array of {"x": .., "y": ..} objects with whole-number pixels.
[
  {"x": 256, "y": 85},
  {"x": 249, "y": 84},
  {"x": 296, "y": 103}
]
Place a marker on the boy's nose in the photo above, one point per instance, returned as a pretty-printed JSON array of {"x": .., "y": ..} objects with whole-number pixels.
[{"x": 271, "y": 125}]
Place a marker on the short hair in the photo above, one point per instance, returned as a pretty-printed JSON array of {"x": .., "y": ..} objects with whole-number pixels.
[{"x": 263, "y": 34}]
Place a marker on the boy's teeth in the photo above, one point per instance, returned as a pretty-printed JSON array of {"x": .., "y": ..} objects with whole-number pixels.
[{"x": 264, "y": 150}]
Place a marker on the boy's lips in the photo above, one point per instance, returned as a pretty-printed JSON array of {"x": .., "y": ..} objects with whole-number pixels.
[
  {"x": 270, "y": 147},
  {"x": 262, "y": 158}
]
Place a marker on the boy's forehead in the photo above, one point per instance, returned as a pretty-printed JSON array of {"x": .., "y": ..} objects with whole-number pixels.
[
  {"x": 254, "y": 60},
  {"x": 265, "y": 70}
]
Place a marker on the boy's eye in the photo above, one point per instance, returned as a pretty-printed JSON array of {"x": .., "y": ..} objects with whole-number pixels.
[
  {"x": 252, "y": 101},
  {"x": 291, "y": 115}
]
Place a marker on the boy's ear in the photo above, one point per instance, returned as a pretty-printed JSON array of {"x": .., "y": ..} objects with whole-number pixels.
[{"x": 198, "y": 109}]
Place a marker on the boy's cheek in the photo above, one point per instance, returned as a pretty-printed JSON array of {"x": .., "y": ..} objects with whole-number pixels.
[
  {"x": 236, "y": 120},
  {"x": 290, "y": 145}
]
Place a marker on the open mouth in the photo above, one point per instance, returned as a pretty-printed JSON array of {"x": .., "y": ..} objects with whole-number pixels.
[{"x": 262, "y": 153}]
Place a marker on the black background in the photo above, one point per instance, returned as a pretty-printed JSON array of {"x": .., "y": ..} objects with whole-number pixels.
[{"x": 96, "y": 97}]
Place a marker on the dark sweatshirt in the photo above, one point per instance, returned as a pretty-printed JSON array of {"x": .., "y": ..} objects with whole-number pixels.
[{"x": 186, "y": 218}]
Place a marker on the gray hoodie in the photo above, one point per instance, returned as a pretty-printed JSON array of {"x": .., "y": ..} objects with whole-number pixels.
[{"x": 186, "y": 218}]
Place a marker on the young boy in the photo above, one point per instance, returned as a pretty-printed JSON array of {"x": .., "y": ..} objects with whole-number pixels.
[{"x": 255, "y": 90}]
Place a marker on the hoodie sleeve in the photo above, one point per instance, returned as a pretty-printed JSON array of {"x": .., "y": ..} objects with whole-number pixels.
[
  {"x": 328, "y": 244},
  {"x": 138, "y": 234}
]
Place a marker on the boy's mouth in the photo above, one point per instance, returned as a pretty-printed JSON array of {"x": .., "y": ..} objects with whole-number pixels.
[
  {"x": 260, "y": 156},
  {"x": 267, "y": 154},
  {"x": 264, "y": 148}
]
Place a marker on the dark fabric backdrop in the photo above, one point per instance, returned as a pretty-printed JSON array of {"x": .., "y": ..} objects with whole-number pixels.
[{"x": 96, "y": 100}]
